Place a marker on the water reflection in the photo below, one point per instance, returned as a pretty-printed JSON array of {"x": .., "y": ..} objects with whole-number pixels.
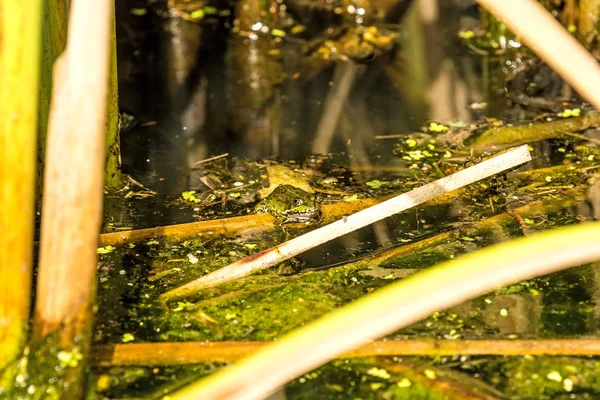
[{"x": 213, "y": 87}]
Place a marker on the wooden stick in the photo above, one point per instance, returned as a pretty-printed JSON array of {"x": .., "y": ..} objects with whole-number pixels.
[
  {"x": 72, "y": 203},
  {"x": 506, "y": 136},
  {"x": 212, "y": 158},
  {"x": 396, "y": 306},
  {"x": 182, "y": 353},
  {"x": 543, "y": 34},
  {"x": 73, "y": 190},
  {"x": 282, "y": 252},
  {"x": 20, "y": 37}
]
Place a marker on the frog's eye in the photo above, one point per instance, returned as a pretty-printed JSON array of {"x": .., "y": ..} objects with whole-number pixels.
[{"x": 297, "y": 202}]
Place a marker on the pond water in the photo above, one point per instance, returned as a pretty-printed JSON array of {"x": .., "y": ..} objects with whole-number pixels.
[
  {"x": 183, "y": 81},
  {"x": 200, "y": 89}
]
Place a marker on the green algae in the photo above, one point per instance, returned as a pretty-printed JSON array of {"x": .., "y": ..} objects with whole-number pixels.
[
  {"x": 545, "y": 377},
  {"x": 358, "y": 379},
  {"x": 266, "y": 306}
]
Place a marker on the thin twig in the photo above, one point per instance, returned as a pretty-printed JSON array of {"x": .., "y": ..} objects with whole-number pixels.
[
  {"x": 397, "y": 136},
  {"x": 211, "y": 158},
  {"x": 138, "y": 184},
  {"x": 582, "y": 137}
]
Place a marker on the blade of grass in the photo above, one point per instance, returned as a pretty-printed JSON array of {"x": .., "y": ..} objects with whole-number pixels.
[{"x": 284, "y": 251}]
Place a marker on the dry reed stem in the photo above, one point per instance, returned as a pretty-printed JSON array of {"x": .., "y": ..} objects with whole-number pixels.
[
  {"x": 541, "y": 32},
  {"x": 72, "y": 202},
  {"x": 284, "y": 251},
  {"x": 182, "y": 353}
]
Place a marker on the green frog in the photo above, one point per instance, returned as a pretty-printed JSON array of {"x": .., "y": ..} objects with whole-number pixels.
[{"x": 288, "y": 204}]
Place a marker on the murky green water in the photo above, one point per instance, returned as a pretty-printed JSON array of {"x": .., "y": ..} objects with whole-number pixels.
[{"x": 188, "y": 85}]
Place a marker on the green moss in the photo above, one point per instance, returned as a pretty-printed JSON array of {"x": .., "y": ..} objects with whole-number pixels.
[
  {"x": 355, "y": 379},
  {"x": 543, "y": 378},
  {"x": 266, "y": 306},
  {"x": 148, "y": 382},
  {"x": 269, "y": 307}
]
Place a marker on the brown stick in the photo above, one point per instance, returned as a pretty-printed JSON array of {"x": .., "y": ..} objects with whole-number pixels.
[
  {"x": 211, "y": 158},
  {"x": 72, "y": 202},
  {"x": 498, "y": 137},
  {"x": 180, "y": 353},
  {"x": 218, "y": 227}
]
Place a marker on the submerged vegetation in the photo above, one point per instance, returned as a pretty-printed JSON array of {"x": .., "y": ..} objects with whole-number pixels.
[
  {"x": 258, "y": 307},
  {"x": 249, "y": 124}
]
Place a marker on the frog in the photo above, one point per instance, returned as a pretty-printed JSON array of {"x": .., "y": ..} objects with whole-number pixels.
[{"x": 290, "y": 204}]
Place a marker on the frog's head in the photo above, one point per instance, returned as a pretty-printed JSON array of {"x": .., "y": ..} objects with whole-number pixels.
[
  {"x": 303, "y": 208},
  {"x": 290, "y": 204}
]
